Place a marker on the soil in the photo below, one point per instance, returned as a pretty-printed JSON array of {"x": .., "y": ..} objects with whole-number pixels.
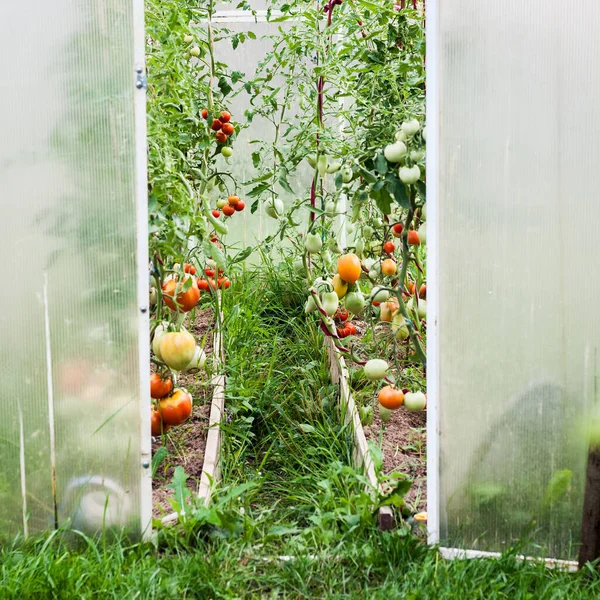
[
  {"x": 186, "y": 443},
  {"x": 403, "y": 445}
]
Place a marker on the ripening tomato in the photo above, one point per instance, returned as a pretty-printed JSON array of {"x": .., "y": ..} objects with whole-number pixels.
[
  {"x": 233, "y": 200},
  {"x": 159, "y": 387},
  {"x": 216, "y": 214},
  {"x": 202, "y": 285},
  {"x": 423, "y": 292},
  {"x": 413, "y": 238},
  {"x": 186, "y": 300},
  {"x": 390, "y": 397},
  {"x": 210, "y": 272},
  {"x": 389, "y": 247},
  {"x": 177, "y": 349},
  {"x": 221, "y": 137},
  {"x": 157, "y": 427},
  {"x": 228, "y": 210},
  {"x": 342, "y": 332},
  {"x": 204, "y": 113},
  {"x": 225, "y": 116},
  {"x": 191, "y": 269},
  {"x": 351, "y": 328},
  {"x": 388, "y": 266},
  {"x": 397, "y": 230},
  {"x": 228, "y": 128},
  {"x": 177, "y": 408},
  {"x": 216, "y": 125},
  {"x": 349, "y": 268}
]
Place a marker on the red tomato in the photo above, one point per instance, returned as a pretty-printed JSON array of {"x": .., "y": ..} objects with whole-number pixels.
[
  {"x": 216, "y": 214},
  {"x": 225, "y": 116},
  {"x": 397, "y": 230},
  {"x": 216, "y": 125},
  {"x": 221, "y": 137},
  {"x": 191, "y": 269},
  {"x": 177, "y": 408},
  {"x": 204, "y": 113},
  {"x": 209, "y": 272},
  {"x": 157, "y": 427},
  {"x": 228, "y": 129},
  {"x": 226, "y": 283},
  {"x": 351, "y": 328},
  {"x": 413, "y": 238},
  {"x": 389, "y": 247},
  {"x": 341, "y": 314},
  {"x": 228, "y": 210},
  {"x": 240, "y": 206},
  {"x": 202, "y": 285},
  {"x": 159, "y": 387}
]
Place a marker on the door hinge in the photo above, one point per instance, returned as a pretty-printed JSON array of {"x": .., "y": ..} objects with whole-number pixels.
[{"x": 141, "y": 82}]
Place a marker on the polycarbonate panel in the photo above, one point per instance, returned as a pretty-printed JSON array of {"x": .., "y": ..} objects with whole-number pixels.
[
  {"x": 519, "y": 327},
  {"x": 247, "y": 229},
  {"x": 70, "y": 429}
]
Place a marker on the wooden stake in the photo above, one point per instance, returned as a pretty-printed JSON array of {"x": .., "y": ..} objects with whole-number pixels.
[{"x": 590, "y": 525}]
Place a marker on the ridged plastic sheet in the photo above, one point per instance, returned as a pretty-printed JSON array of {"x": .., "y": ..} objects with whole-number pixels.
[
  {"x": 70, "y": 394},
  {"x": 247, "y": 229},
  {"x": 519, "y": 326}
]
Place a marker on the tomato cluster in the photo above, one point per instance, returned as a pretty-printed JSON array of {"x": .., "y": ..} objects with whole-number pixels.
[
  {"x": 229, "y": 207},
  {"x": 222, "y": 128},
  {"x": 173, "y": 407}
]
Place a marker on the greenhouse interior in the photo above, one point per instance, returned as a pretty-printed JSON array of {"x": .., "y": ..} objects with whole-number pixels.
[{"x": 298, "y": 306}]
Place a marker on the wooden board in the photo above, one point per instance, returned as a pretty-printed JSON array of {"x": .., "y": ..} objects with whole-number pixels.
[{"x": 350, "y": 415}]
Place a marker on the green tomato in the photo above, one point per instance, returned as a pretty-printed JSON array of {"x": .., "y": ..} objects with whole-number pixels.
[
  {"x": 310, "y": 305},
  {"x": 410, "y": 175},
  {"x": 400, "y": 136},
  {"x": 221, "y": 203},
  {"x": 347, "y": 174},
  {"x": 385, "y": 414},
  {"x": 380, "y": 294},
  {"x": 274, "y": 208},
  {"x": 313, "y": 243},
  {"x": 334, "y": 166},
  {"x": 417, "y": 155},
  {"x": 311, "y": 161},
  {"x": 366, "y": 415},
  {"x": 188, "y": 39},
  {"x": 367, "y": 232},
  {"x": 322, "y": 165},
  {"x": 195, "y": 51},
  {"x": 395, "y": 152},
  {"x": 376, "y": 369},
  {"x": 330, "y": 303},
  {"x": 226, "y": 151},
  {"x": 424, "y": 212},
  {"x": 415, "y": 401},
  {"x": 422, "y": 231},
  {"x": 400, "y": 327},
  {"x": 410, "y": 127},
  {"x": 355, "y": 302}
]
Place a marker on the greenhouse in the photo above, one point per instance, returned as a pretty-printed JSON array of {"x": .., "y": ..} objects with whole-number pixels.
[{"x": 294, "y": 299}]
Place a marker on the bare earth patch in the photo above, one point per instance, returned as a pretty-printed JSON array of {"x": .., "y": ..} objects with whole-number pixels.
[{"x": 186, "y": 443}]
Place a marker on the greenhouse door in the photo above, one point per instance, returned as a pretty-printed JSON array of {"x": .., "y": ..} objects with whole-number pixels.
[
  {"x": 514, "y": 338},
  {"x": 74, "y": 432}
]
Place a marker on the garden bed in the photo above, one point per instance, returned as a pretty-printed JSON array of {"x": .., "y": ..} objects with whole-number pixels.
[
  {"x": 402, "y": 441},
  {"x": 194, "y": 445}
]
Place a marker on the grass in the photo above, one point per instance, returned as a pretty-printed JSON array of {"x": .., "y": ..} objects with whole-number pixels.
[{"x": 289, "y": 490}]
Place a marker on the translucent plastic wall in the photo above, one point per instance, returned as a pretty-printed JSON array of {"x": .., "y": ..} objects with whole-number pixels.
[
  {"x": 248, "y": 228},
  {"x": 70, "y": 429},
  {"x": 517, "y": 255}
]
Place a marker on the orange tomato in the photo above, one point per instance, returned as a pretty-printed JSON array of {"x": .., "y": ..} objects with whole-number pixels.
[
  {"x": 228, "y": 128},
  {"x": 349, "y": 268},
  {"x": 389, "y": 247},
  {"x": 387, "y": 310},
  {"x": 204, "y": 113},
  {"x": 228, "y": 210},
  {"x": 177, "y": 408},
  {"x": 413, "y": 238},
  {"x": 390, "y": 397},
  {"x": 202, "y": 285},
  {"x": 191, "y": 269},
  {"x": 185, "y": 300},
  {"x": 388, "y": 266},
  {"x": 159, "y": 387},
  {"x": 233, "y": 200},
  {"x": 225, "y": 116},
  {"x": 221, "y": 137},
  {"x": 423, "y": 292}
]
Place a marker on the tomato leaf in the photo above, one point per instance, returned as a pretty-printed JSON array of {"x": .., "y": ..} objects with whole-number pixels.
[
  {"x": 398, "y": 190},
  {"x": 158, "y": 458},
  {"x": 381, "y": 165},
  {"x": 180, "y": 489},
  {"x": 368, "y": 176}
]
